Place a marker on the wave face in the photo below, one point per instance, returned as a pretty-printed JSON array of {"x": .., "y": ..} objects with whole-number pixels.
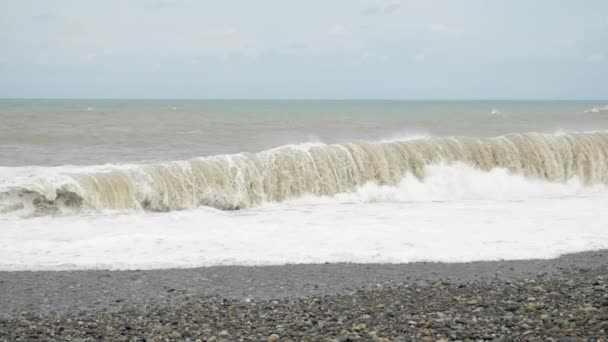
[{"x": 246, "y": 180}]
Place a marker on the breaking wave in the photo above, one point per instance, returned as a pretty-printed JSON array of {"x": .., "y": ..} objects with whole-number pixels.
[
  {"x": 597, "y": 109},
  {"x": 290, "y": 172},
  {"x": 456, "y": 182}
]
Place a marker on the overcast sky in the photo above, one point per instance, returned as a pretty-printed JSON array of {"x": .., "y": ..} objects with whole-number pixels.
[{"x": 409, "y": 49}]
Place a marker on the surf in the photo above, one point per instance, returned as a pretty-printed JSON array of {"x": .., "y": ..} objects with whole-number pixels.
[{"x": 247, "y": 180}]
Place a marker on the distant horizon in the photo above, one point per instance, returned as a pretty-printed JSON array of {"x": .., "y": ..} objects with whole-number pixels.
[{"x": 299, "y": 99}]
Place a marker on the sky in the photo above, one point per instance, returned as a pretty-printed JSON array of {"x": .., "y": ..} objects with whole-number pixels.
[{"x": 313, "y": 49}]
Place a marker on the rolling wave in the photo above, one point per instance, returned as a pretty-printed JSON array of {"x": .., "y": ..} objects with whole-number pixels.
[
  {"x": 597, "y": 109},
  {"x": 245, "y": 180}
]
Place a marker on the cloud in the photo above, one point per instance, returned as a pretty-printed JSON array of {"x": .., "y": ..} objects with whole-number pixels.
[
  {"x": 220, "y": 33},
  {"x": 392, "y": 8},
  {"x": 420, "y": 57},
  {"x": 297, "y": 46},
  {"x": 337, "y": 29},
  {"x": 438, "y": 28},
  {"x": 446, "y": 30},
  {"x": 386, "y": 9},
  {"x": 162, "y": 3},
  {"x": 596, "y": 58},
  {"x": 370, "y": 11},
  {"x": 370, "y": 57}
]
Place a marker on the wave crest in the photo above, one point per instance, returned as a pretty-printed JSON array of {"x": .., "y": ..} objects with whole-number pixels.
[
  {"x": 597, "y": 109},
  {"x": 246, "y": 180}
]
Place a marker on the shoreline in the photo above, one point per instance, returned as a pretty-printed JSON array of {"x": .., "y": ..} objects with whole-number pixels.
[
  {"x": 567, "y": 296},
  {"x": 103, "y": 290}
]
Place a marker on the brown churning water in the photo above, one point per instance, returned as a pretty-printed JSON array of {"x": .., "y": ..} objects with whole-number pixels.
[{"x": 247, "y": 180}]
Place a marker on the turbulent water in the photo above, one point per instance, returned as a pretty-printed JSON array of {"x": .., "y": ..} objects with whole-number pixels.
[
  {"x": 246, "y": 180},
  {"x": 87, "y": 163}
]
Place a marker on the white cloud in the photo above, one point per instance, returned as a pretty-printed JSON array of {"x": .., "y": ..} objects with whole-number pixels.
[
  {"x": 386, "y": 9},
  {"x": 438, "y": 28},
  {"x": 392, "y": 7},
  {"x": 297, "y": 46},
  {"x": 221, "y": 33},
  {"x": 162, "y": 3},
  {"x": 596, "y": 58},
  {"x": 370, "y": 11},
  {"x": 370, "y": 57},
  {"x": 420, "y": 57},
  {"x": 337, "y": 29},
  {"x": 443, "y": 29}
]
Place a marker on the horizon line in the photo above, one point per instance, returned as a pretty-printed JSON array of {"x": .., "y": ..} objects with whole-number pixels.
[{"x": 291, "y": 99}]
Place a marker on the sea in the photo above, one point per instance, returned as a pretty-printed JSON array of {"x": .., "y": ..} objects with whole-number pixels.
[{"x": 149, "y": 184}]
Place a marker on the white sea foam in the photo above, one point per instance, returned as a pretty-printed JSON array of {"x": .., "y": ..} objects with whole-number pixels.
[
  {"x": 394, "y": 232},
  {"x": 457, "y": 182},
  {"x": 455, "y": 213},
  {"x": 598, "y": 109},
  {"x": 405, "y": 136}
]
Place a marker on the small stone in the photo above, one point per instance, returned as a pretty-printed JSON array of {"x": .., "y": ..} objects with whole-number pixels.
[
  {"x": 439, "y": 325},
  {"x": 359, "y": 327},
  {"x": 461, "y": 321},
  {"x": 224, "y": 333},
  {"x": 273, "y": 338},
  {"x": 552, "y": 330}
]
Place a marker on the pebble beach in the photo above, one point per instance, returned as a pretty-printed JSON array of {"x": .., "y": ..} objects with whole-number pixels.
[{"x": 564, "y": 299}]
